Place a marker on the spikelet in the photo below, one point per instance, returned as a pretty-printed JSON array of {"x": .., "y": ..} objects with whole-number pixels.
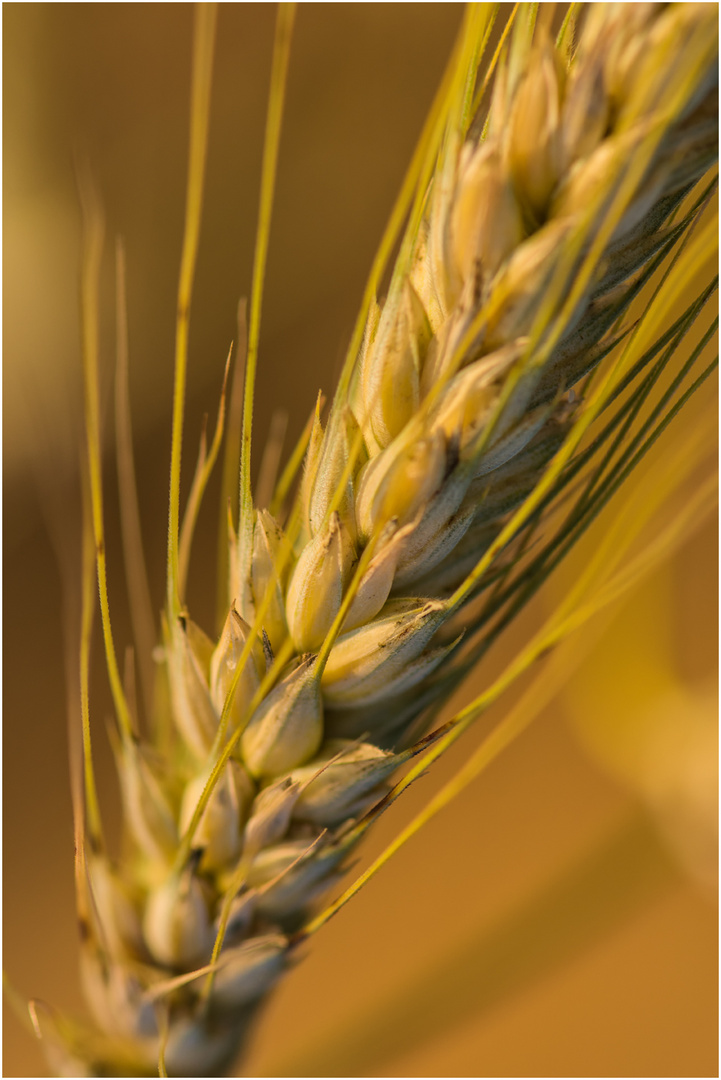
[
  {"x": 176, "y": 922},
  {"x": 316, "y": 588},
  {"x": 223, "y": 666},
  {"x": 287, "y": 730}
]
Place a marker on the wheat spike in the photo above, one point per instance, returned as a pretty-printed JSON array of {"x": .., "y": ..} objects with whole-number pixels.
[{"x": 549, "y": 199}]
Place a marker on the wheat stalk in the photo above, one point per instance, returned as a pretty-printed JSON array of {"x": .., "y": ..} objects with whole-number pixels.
[{"x": 550, "y": 183}]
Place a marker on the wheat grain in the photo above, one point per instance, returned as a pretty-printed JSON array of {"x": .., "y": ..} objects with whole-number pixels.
[{"x": 535, "y": 224}]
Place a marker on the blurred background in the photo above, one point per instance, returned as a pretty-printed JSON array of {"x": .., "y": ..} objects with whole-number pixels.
[{"x": 559, "y": 918}]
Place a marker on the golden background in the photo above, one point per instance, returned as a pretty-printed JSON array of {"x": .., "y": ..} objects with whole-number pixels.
[{"x": 536, "y": 926}]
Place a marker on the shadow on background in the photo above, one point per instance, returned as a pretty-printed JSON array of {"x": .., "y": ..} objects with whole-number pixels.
[{"x": 550, "y": 927}]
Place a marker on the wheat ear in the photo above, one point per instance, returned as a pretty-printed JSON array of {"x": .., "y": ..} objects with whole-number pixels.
[{"x": 549, "y": 186}]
